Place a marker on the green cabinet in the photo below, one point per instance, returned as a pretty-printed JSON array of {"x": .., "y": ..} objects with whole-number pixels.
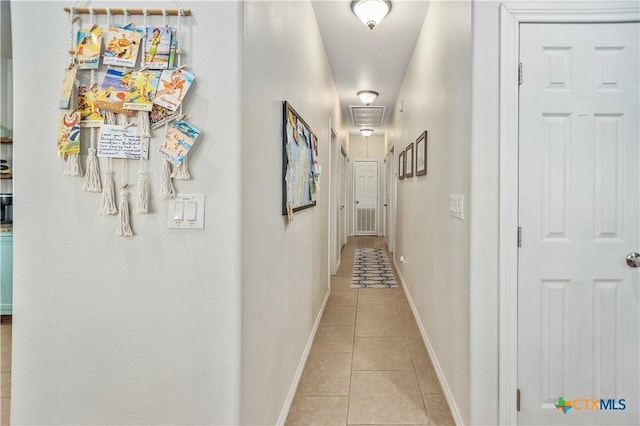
[{"x": 6, "y": 272}]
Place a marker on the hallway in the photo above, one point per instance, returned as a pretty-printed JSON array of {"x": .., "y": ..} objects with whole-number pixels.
[{"x": 368, "y": 363}]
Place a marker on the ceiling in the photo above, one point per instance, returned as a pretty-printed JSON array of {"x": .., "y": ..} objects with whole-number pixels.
[{"x": 364, "y": 59}]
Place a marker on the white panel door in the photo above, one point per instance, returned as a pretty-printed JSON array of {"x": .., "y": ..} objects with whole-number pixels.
[
  {"x": 579, "y": 190},
  {"x": 366, "y": 195}
]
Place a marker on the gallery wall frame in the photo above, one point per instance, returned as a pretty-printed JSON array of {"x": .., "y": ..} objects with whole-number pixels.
[
  {"x": 401, "y": 165},
  {"x": 408, "y": 162},
  {"x": 421, "y": 154},
  {"x": 299, "y": 156}
]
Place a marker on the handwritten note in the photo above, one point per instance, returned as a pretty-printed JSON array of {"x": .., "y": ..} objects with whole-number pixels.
[{"x": 120, "y": 142}]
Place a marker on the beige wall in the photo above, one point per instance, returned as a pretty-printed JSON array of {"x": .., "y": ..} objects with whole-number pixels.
[
  {"x": 284, "y": 265},
  {"x": 437, "y": 97}
]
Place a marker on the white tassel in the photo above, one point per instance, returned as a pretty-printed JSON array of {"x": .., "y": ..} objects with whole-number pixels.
[
  {"x": 72, "y": 165},
  {"x": 142, "y": 204},
  {"x": 109, "y": 117},
  {"x": 121, "y": 120},
  {"x": 108, "y": 202},
  {"x": 144, "y": 128},
  {"x": 124, "y": 227},
  {"x": 92, "y": 181},
  {"x": 182, "y": 171},
  {"x": 166, "y": 189}
]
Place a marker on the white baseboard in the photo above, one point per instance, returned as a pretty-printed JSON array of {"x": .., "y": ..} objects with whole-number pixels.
[
  {"x": 446, "y": 390},
  {"x": 284, "y": 413}
]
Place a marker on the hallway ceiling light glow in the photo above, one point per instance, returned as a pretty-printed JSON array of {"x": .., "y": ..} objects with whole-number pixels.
[
  {"x": 366, "y": 132},
  {"x": 367, "y": 96},
  {"x": 371, "y": 12}
]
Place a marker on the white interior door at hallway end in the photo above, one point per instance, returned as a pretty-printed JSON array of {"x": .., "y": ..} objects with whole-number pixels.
[
  {"x": 579, "y": 190},
  {"x": 366, "y": 197}
]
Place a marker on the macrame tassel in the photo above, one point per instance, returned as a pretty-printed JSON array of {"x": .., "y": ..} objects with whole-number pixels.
[
  {"x": 121, "y": 120},
  {"x": 108, "y": 202},
  {"x": 124, "y": 227},
  {"x": 182, "y": 171},
  {"x": 166, "y": 189},
  {"x": 109, "y": 117},
  {"x": 92, "y": 181},
  {"x": 144, "y": 128},
  {"x": 72, "y": 165},
  {"x": 142, "y": 204}
]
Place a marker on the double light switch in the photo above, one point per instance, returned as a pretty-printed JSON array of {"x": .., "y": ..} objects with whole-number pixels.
[{"x": 186, "y": 211}]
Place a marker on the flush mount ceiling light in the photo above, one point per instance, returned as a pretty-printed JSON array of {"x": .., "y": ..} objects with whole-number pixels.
[
  {"x": 367, "y": 96},
  {"x": 371, "y": 12},
  {"x": 366, "y": 132}
]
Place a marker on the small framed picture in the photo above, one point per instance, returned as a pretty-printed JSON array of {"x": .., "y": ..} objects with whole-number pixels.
[
  {"x": 408, "y": 168},
  {"x": 401, "y": 161},
  {"x": 421, "y": 154}
]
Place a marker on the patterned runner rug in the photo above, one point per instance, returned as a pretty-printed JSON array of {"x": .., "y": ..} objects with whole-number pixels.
[{"x": 371, "y": 269}]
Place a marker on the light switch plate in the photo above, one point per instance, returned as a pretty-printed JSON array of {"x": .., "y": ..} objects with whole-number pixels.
[
  {"x": 186, "y": 211},
  {"x": 456, "y": 206}
]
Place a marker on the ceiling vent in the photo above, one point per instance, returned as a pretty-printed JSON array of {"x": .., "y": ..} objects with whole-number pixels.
[{"x": 363, "y": 116}]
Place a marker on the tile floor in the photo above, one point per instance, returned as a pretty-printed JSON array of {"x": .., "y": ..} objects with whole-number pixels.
[
  {"x": 368, "y": 364},
  {"x": 5, "y": 369}
]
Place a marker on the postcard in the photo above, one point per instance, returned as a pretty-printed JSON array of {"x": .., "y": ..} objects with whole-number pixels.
[
  {"x": 178, "y": 141},
  {"x": 161, "y": 115},
  {"x": 69, "y": 133},
  {"x": 90, "y": 113},
  {"x": 158, "y": 47},
  {"x": 88, "y": 44},
  {"x": 173, "y": 86},
  {"x": 122, "y": 46},
  {"x": 67, "y": 87},
  {"x": 122, "y": 142},
  {"x": 141, "y": 90},
  {"x": 113, "y": 91}
]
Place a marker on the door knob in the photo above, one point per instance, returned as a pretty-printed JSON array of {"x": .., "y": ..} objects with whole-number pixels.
[{"x": 633, "y": 260}]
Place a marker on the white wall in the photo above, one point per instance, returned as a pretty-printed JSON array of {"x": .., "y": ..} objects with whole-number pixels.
[
  {"x": 284, "y": 265},
  {"x": 437, "y": 97},
  {"x": 484, "y": 199},
  {"x": 141, "y": 330},
  {"x": 360, "y": 149}
]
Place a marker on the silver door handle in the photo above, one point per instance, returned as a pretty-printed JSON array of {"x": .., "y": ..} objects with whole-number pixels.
[{"x": 633, "y": 260}]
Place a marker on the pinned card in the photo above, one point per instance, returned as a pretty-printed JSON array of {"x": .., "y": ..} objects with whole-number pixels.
[
  {"x": 90, "y": 113},
  {"x": 114, "y": 90},
  {"x": 122, "y": 142},
  {"x": 173, "y": 87},
  {"x": 67, "y": 87},
  {"x": 158, "y": 44},
  {"x": 69, "y": 133},
  {"x": 178, "y": 141},
  {"x": 122, "y": 45},
  {"x": 88, "y": 45},
  {"x": 141, "y": 90}
]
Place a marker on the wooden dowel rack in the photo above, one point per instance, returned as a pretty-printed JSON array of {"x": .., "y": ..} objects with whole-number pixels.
[{"x": 120, "y": 11}]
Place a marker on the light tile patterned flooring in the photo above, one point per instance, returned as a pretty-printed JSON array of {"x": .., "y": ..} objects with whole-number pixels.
[{"x": 368, "y": 364}]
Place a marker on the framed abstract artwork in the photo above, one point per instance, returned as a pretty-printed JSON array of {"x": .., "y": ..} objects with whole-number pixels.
[
  {"x": 421, "y": 154},
  {"x": 299, "y": 154},
  {"x": 408, "y": 162}
]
